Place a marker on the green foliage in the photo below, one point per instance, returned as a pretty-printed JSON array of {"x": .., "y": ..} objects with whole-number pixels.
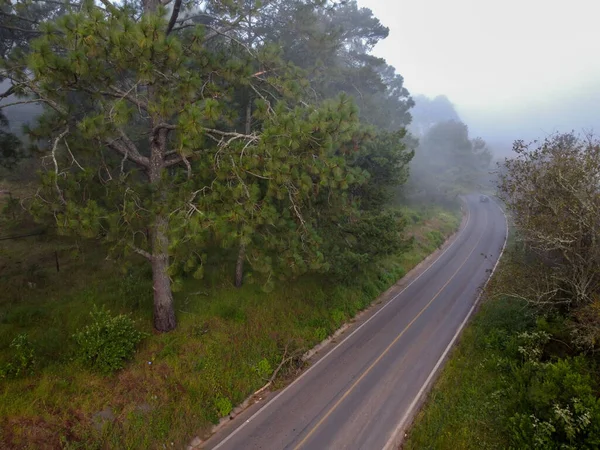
[
  {"x": 223, "y": 406},
  {"x": 436, "y": 237},
  {"x": 562, "y": 408},
  {"x": 338, "y": 317},
  {"x": 507, "y": 386},
  {"x": 186, "y": 135},
  {"x": 358, "y": 241},
  {"x": 264, "y": 369},
  {"x": 320, "y": 334},
  {"x": 213, "y": 353},
  {"x": 23, "y": 358},
  {"x": 108, "y": 342}
]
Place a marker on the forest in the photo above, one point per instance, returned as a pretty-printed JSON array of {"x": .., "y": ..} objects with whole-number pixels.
[{"x": 193, "y": 195}]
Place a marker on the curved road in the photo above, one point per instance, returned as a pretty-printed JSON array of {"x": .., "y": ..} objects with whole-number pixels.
[{"x": 363, "y": 392}]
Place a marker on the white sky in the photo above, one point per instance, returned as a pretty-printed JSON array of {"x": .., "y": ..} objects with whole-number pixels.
[{"x": 491, "y": 57}]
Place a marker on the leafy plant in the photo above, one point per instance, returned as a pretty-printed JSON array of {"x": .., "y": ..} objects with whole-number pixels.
[
  {"x": 223, "y": 406},
  {"x": 108, "y": 342},
  {"x": 23, "y": 358},
  {"x": 263, "y": 368}
]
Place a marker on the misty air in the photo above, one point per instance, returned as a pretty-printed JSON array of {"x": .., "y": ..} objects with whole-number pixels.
[{"x": 299, "y": 224}]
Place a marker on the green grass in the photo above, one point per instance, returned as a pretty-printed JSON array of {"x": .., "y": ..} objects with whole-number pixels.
[{"x": 179, "y": 383}]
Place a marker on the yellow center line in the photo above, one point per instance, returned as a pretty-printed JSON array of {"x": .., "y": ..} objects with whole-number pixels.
[{"x": 380, "y": 357}]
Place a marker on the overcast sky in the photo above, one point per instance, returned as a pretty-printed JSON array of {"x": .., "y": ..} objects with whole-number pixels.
[{"x": 511, "y": 67}]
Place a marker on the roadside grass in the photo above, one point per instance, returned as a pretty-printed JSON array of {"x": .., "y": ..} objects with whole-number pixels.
[{"x": 227, "y": 344}]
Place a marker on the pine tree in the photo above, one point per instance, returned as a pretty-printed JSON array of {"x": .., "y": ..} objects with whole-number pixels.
[{"x": 144, "y": 146}]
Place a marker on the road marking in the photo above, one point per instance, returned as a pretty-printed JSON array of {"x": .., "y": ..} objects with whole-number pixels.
[
  {"x": 396, "y": 339},
  {"x": 243, "y": 425},
  {"x": 396, "y": 438}
]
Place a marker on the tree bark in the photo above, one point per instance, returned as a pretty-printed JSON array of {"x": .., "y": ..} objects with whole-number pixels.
[
  {"x": 239, "y": 266},
  {"x": 164, "y": 309}
]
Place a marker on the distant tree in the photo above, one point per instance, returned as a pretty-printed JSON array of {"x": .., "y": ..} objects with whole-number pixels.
[
  {"x": 447, "y": 162},
  {"x": 428, "y": 112},
  {"x": 10, "y": 146},
  {"x": 552, "y": 191}
]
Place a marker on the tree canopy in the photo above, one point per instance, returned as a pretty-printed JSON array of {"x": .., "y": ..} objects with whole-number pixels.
[
  {"x": 172, "y": 129},
  {"x": 551, "y": 189}
]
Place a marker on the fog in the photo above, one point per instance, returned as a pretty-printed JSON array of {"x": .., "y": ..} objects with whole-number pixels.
[
  {"x": 513, "y": 69},
  {"x": 18, "y": 115}
]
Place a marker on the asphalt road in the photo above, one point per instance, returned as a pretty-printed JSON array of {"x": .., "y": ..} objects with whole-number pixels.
[{"x": 362, "y": 393}]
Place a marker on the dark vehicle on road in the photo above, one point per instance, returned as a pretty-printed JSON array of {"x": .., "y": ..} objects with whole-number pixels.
[{"x": 484, "y": 198}]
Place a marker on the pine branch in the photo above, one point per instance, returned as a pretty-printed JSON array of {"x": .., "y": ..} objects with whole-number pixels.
[{"x": 117, "y": 93}]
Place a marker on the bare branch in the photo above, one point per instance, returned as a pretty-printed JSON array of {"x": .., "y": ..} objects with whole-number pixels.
[
  {"x": 174, "y": 16},
  {"x": 20, "y": 102},
  {"x": 53, "y": 155},
  {"x": 8, "y": 92},
  {"x": 25, "y": 19},
  {"x": 59, "y": 3},
  {"x": 72, "y": 156},
  {"x": 142, "y": 252},
  {"x": 173, "y": 161},
  {"x": 123, "y": 149},
  {"x": 22, "y": 30}
]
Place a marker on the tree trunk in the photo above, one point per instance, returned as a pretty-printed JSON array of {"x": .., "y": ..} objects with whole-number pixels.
[
  {"x": 164, "y": 309},
  {"x": 239, "y": 266}
]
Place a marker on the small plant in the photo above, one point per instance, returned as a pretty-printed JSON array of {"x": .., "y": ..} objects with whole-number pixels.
[
  {"x": 223, "y": 406},
  {"x": 264, "y": 369},
  {"x": 23, "y": 358},
  {"x": 320, "y": 334},
  {"x": 108, "y": 342},
  {"x": 338, "y": 317}
]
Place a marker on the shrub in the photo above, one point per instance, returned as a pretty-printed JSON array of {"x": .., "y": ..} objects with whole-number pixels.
[
  {"x": 320, "y": 334},
  {"x": 264, "y": 369},
  {"x": 223, "y": 406},
  {"x": 563, "y": 411},
  {"x": 108, "y": 342},
  {"x": 23, "y": 358},
  {"x": 338, "y": 317}
]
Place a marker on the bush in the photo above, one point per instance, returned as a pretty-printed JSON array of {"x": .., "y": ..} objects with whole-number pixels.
[
  {"x": 558, "y": 405},
  {"x": 108, "y": 342},
  {"x": 23, "y": 358},
  {"x": 264, "y": 369},
  {"x": 223, "y": 406}
]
